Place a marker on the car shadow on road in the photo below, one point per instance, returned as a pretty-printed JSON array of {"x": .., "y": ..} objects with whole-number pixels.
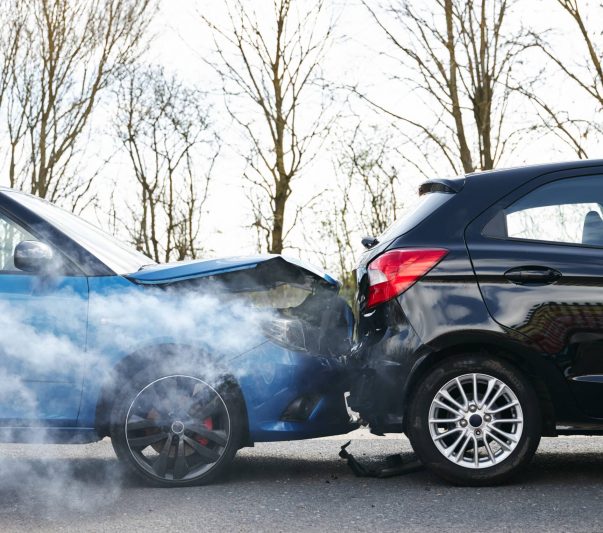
[
  {"x": 77, "y": 483},
  {"x": 559, "y": 468},
  {"x": 546, "y": 469}
]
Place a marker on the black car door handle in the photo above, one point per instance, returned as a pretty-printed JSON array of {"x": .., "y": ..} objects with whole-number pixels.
[{"x": 532, "y": 275}]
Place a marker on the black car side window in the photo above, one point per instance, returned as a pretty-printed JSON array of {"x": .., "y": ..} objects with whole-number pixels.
[
  {"x": 564, "y": 211},
  {"x": 11, "y": 234}
]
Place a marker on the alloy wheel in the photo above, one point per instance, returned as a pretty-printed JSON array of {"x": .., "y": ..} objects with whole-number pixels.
[
  {"x": 177, "y": 428},
  {"x": 475, "y": 420}
]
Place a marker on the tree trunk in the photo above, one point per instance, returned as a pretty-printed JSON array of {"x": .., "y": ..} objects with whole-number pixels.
[{"x": 464, "y": 152}]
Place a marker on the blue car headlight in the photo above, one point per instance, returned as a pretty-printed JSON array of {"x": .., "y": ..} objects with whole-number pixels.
[{"x": 288, "y": 332}]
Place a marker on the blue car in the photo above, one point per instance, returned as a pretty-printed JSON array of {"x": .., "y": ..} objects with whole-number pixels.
[{"x": 179, "y": 364}]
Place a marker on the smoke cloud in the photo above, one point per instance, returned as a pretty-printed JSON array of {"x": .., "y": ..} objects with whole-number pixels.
[{"x": 72, "y": 340}]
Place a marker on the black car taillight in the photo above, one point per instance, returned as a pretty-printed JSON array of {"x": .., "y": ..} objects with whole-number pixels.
[{"x": 395, "y": 271}]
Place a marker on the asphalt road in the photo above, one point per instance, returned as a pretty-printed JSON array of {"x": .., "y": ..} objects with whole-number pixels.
[{"x": 297, "y": 486}]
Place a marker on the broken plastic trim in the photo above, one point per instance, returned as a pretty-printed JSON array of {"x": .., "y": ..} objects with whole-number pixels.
[{"x": 395, "y": 465}]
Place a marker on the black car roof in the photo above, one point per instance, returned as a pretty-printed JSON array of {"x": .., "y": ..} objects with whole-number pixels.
[
  {"x": 480, "y": 191},
  {"x": 519, "y": 175}
]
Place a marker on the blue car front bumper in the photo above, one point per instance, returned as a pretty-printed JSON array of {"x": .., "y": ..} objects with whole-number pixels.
[{"x": 292, "y": 395}]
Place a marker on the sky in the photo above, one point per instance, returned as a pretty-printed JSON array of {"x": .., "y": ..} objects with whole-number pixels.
[
  {"x": 183, "y": 43},
  {"x": 359, "y": 55}
]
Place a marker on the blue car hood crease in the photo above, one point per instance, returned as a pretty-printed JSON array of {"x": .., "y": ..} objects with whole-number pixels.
[{"x": 184, "y": 270}]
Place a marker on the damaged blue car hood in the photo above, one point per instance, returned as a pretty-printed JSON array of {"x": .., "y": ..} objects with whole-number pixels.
[{"x": 183, "y": 270}]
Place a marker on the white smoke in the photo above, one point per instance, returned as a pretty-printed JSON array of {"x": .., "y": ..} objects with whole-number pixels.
[
  {"x": 42, "y": 339},
  {"x": 43, "y": 481}
]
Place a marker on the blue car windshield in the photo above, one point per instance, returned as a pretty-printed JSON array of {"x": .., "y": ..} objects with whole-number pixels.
[{"x": 119, "y": 257}]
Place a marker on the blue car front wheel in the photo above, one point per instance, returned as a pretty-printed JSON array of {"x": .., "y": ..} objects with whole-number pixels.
[{"x": 176, "y": 429}]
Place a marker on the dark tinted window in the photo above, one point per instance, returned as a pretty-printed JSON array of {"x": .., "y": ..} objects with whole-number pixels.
[
  {"x": 565, "y": 211},
  {"x": 426, "y": 205}
]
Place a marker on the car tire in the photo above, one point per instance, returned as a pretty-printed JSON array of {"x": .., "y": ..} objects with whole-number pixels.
[
  {"x": 176, "y": 428},
  {"x": 473, "y": 438}
]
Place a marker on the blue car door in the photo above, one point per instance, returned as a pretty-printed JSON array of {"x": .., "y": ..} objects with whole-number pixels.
[{"x": 43, "y": 319}]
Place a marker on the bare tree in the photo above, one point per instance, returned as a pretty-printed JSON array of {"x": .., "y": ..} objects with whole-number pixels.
[
  {"x": 272, "y": 61},
  {"x": 591, "y": 79},
  {"x": 67, "y": 54},
  {"x": 163, "y": 126},
  {"x": 584, "y": 72},
  {"x": 12, "y": 18},
  {"x": 461, "y": 55},
  {"x": 366, "y": 200},
  {"x": 367, "y": 161}
]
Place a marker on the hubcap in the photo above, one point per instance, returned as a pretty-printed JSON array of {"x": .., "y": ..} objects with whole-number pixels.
[
  {"x": 475, "y": 420},
  {"x": 177, "y": 428}
]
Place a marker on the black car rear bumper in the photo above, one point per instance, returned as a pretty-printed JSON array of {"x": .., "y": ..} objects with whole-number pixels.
[{"x": 381, "y": 368}]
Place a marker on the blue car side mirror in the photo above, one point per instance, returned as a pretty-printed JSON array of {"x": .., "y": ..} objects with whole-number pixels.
[{"x": 33, "y": 256}]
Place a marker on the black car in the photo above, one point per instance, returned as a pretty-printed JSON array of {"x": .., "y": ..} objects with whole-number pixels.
[{"x": 481, "y": 319}]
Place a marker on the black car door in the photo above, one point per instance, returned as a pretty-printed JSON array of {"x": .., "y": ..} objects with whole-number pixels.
[{"x": 538, "y": 258}]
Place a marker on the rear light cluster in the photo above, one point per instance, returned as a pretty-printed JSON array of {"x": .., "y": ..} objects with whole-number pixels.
[{"x": 397, "y": 270}]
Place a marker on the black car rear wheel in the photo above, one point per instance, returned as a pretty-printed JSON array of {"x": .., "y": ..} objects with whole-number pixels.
[
  {"x": 474, "y": 420},
  {"x": 175, "y": 430}
]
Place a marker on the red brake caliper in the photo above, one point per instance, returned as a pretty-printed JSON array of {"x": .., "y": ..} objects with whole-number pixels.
[{"x": 209, "y": 424}]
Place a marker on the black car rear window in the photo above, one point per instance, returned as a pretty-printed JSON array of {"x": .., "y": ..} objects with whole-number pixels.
[{"x": 427, "y": 204}]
